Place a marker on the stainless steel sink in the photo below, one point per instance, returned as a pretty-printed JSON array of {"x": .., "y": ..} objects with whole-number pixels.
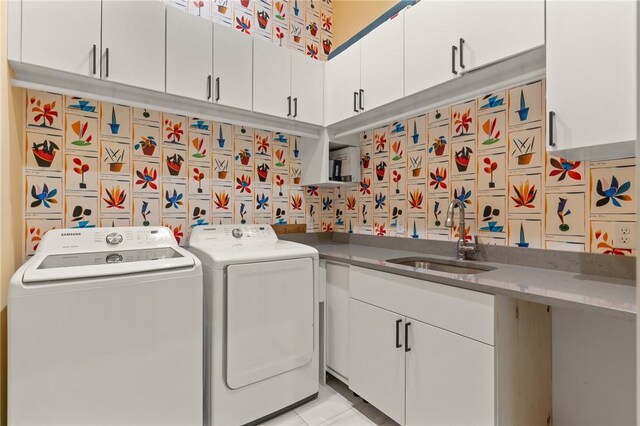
[{"x": 450, "y": 266}]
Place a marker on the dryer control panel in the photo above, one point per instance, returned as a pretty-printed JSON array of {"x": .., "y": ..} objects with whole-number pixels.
[
  {"x": 243, "y": 234},
  {"x": 100, "y": 239}
]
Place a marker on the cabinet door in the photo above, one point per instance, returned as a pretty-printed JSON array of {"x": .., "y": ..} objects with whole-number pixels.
[
  {"x": 382, "y": 67},
  {"x": 271, "y": 79},
  {"x": 134, "y": 34},
  {"x": 232, "y": 67},
  {"x": 342, "y": 83},
  {"x": 591, "y": 66},
  {"x": 450, "y": 378},
  {"x": 427, "y": 45},
  {"x": 62, "y": 35},
  {"x": 189, "y": 55},
  {"x": 307, "y": 89},
  {"x": 376, "y": 364},
  {"x": 520, "y": 23},
  {"x": 338, "y": 318}
]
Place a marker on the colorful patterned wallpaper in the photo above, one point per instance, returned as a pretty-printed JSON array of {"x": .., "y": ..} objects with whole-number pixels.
[
  {"x": 489, "y": 153},
  {"x": 301, "y": 25},
  {"x": 94, "y": 163}
]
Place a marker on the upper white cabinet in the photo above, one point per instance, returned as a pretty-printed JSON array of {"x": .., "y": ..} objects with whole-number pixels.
[
  {"x": 232, "y": 68},
  {"x": 287, "y": 84},
  {"x": 477, "y": 34},
  {"x": 487, "y": 31},
  {"x": 338, "y": 319},
  {"x": 271, "y": 79},
  {"x": 133, "y": 43},
  {"x": 62, "y": 35},
  {"x": 382, "y": 64},
  {"x": 342, "y": 85},
  {"x": 189, "y": 55},
  {"x": 307, "y": 89},
  {"x": 591, "y": 78},
  {"x": 428, "y": 45}
]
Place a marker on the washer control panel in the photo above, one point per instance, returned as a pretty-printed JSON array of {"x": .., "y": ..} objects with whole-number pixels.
[
  {"x": 232, "y": 234},
  {"x": 96, "y": 239}
]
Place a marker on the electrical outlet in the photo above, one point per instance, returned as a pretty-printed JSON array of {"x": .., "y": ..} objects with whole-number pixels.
[{"x": 625, "y": 235}]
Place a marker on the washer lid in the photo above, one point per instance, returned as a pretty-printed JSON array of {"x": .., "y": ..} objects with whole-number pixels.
[
  {"x": 102, "y": 252},
  {"x": 65, "y": 266}
]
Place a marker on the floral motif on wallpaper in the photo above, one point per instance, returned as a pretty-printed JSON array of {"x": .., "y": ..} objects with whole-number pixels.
[{"x": 489, "y": 153}]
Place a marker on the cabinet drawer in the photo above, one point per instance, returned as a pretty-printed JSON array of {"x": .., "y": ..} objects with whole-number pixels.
[{"x": 461, "y": 311}]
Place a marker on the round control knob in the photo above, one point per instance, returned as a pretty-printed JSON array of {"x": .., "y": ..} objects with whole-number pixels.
[
  {"x": 114, "y": 258},
  {"x": 236, "y": 232},
  {"x": 114, "y": 238}
]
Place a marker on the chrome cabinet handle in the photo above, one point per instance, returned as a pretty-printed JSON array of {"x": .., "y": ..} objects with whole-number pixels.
[
  {"x": 398, "y": 344},
  {"x": 106, "y": 62},
  {"x": 217, "y": 89},
  {"x": 406, "y": 337},
  {"x": 461, "y": 42},
  {"x": 94, "y": 59},
  {"x": 361, "y": 100},
  {"x": 209, "y": 87},
  {"x": 552, "y": 117},
  {"x": 289, "y": 102},
  {"x": 295, "y": 107},
  {"x": 355, "y": 101},
  {"x": 454, "y": 50}
]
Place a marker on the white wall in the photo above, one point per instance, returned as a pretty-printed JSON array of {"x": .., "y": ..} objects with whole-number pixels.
[{"x": 594, "y": 361}]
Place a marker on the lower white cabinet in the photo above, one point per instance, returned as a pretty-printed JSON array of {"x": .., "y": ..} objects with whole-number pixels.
[
  {"x": 337, "y": 308},
  {"x": 416, "y": 373},
  {"x": 449, "y": 378},
  {"x": 377, "y": 357},
  {"x": 422, "y": 352}
]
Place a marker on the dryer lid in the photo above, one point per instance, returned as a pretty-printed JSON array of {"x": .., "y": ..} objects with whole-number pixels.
[{"x": 218, "y": 245}]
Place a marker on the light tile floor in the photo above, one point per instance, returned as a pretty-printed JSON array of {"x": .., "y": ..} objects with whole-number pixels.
[{"x": 335, "y": 405}]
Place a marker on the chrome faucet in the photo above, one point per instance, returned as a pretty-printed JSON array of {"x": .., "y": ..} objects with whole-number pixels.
[{"x": 464, "y": 248}]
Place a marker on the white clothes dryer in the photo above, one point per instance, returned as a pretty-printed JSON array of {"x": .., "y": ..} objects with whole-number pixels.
[{"x": 261, "y": 322}]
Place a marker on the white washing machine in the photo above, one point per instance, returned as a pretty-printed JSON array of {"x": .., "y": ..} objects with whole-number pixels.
[
  {"x": 261, "y": 322},
  {"x": 105, "y": 328}
]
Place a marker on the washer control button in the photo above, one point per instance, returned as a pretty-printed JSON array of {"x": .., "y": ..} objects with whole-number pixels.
[
  {"x": 237, "y": 233},
  {"x": 114, "y": 258},
  {"x": 114, "y": 238}
]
